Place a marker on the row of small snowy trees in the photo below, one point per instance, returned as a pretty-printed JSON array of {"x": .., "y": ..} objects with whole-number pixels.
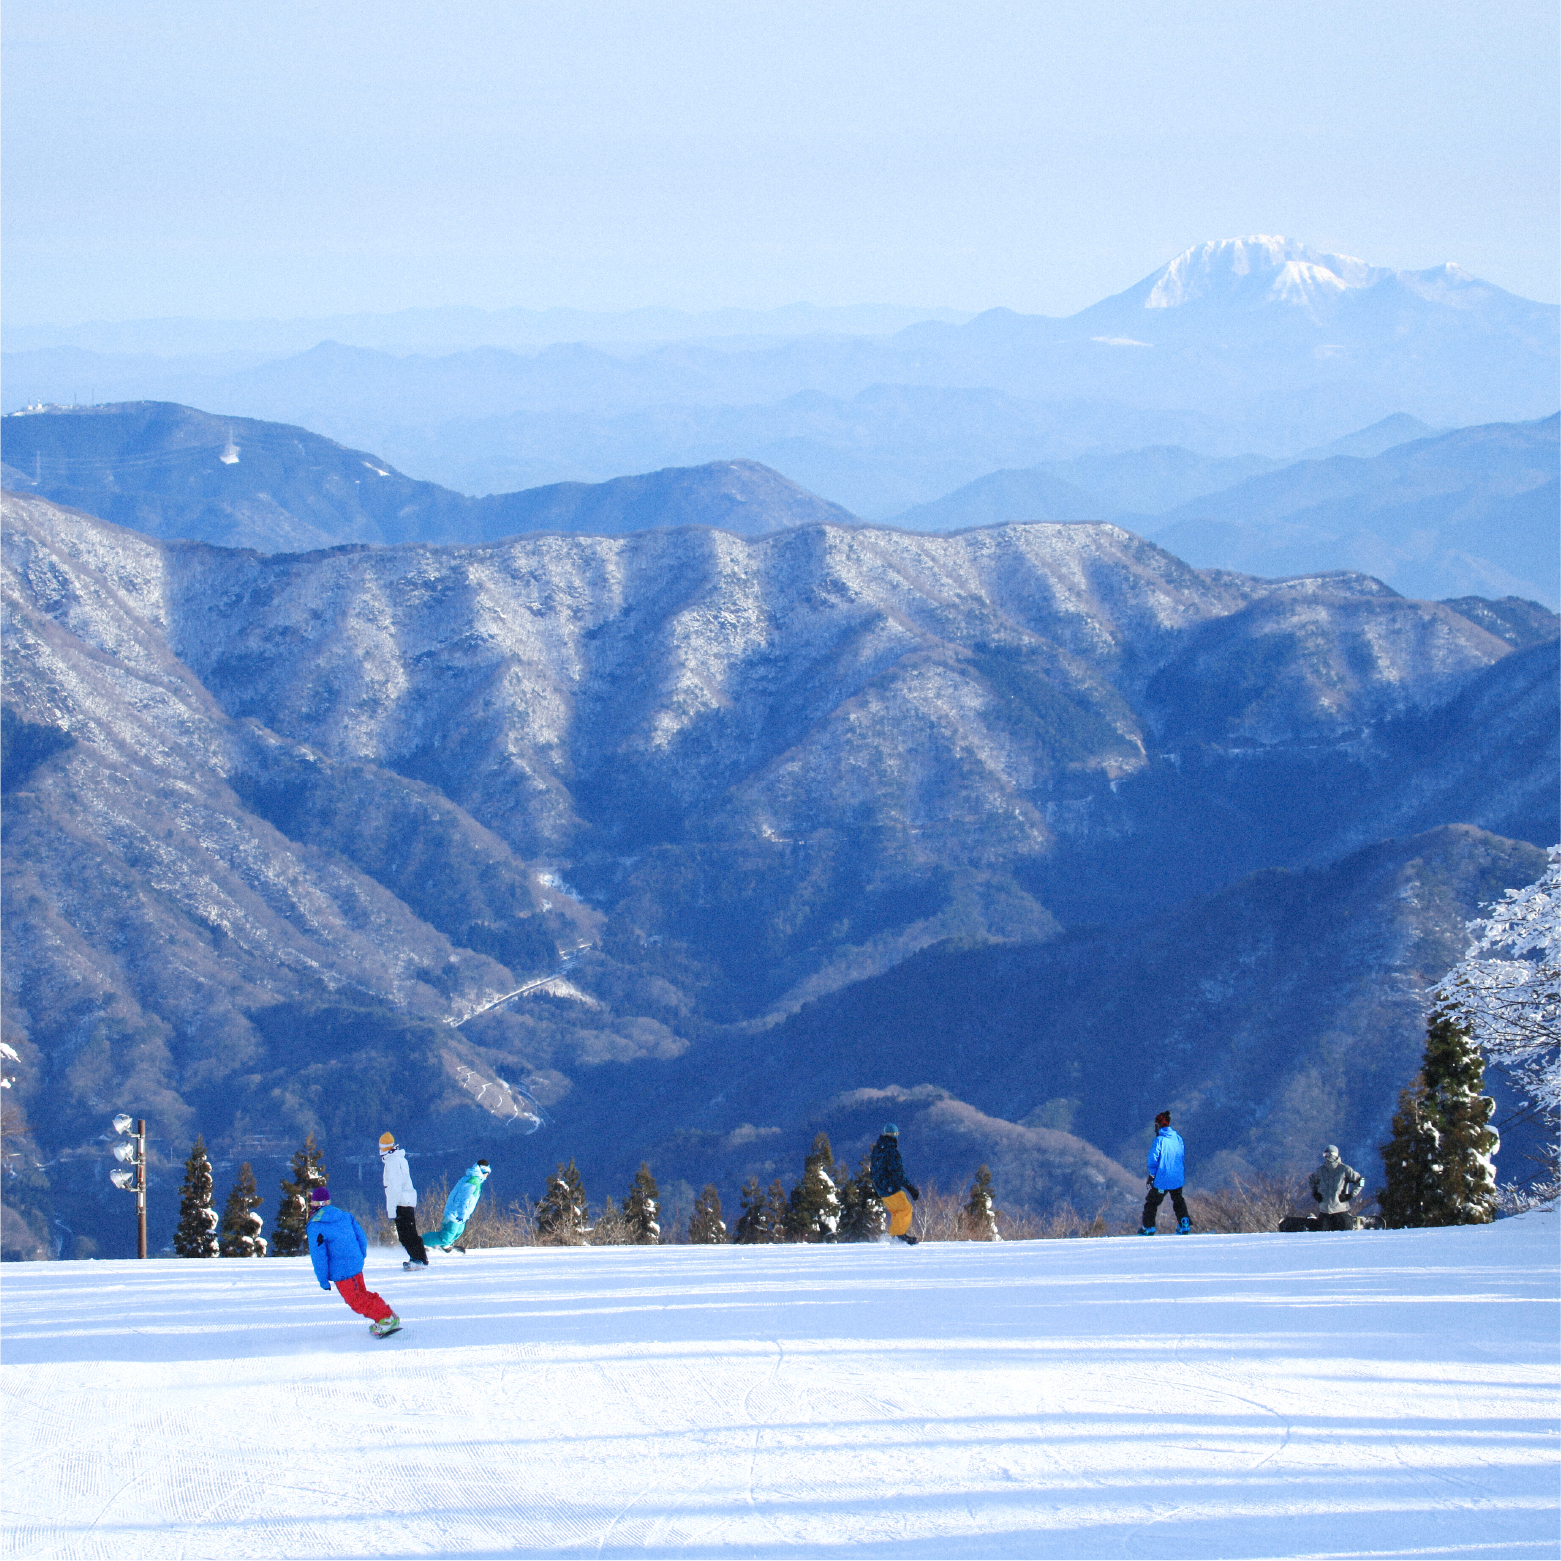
[
  {"x": 237, "y": 1232},
  {"x": 828, "y": 1203},
  {"x": 1500, "y": 1004},
  {"x": 563, "y": 1219}
]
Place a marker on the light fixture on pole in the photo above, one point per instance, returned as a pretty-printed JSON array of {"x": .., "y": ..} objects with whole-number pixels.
[{"x": 133, "y": 1154}]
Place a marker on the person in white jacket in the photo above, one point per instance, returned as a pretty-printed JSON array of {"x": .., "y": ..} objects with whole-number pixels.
[{"x": 401, "y": 1199}]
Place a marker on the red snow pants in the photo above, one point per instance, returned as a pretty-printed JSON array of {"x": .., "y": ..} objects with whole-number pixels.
[{"x": 362, "y": 1300}]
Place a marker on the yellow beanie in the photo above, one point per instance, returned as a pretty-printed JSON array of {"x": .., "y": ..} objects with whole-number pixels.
[{"x": 387, "y": 1141}]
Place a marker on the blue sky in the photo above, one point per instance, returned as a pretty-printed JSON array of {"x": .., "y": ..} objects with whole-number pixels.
[{"x": 239, "y": 160}]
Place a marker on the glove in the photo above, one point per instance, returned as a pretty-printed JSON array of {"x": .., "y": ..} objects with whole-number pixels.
[
  {"x": 914, "y": 1191},
  {"x": 325, "y": 1287},
  {"x": 1149, "y": 1183}
]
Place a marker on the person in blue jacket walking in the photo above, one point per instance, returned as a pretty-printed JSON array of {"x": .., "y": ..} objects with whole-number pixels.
[
  {"x": 458, "y": 1209},
  {"x": 338, "y": 1245},
  {"x": 1167, "y": 1173}
]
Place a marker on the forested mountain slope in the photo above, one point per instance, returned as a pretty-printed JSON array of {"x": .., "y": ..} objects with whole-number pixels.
[{"x": 274, "y": 825}]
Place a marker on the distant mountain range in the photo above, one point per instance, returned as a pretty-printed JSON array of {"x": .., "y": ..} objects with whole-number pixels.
[
  {"x": 1470, "y": 512},
  {"x": 1477, "y": 510},
  {"x": 1249, "y": 345},
  {"x": 172, "y": 471},
  {"x": 451, "y": 329},
  {"x": 679, "y": 845}
]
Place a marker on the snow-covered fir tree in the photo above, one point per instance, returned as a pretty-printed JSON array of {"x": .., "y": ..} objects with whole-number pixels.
[
  {"x": 980, "y": 1217},
  {"x": 752, "y": 1226},
  {"x": 289, "y": 1232},
  {"x": 239, "y": 1234},
  {"x": 196, "y": 1235},
  {"x": 1439, "y": 1165},
  {"x": 640, "y": 1207},
  {"x": 775, "y": 1210},
  {"x": 813, "y": 1211},
  {"x": 862, "y": 1216},
  {"x": 561, "y": 1217},
  {"x": 706, "y": 1228},
  {"x": 1506, "y": 992}
]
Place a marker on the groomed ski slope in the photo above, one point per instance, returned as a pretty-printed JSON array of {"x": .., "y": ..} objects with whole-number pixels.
[{"x": 1380, "y": 1394}]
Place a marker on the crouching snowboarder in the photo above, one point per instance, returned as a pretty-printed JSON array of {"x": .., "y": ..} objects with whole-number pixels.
[
  {"x": 1334, "y": 1186},
  {"x": 401, "y": 1199},
  {"x": 337, "y": 1247},
  {"x": 458, "y": 1209},
  {"x": 889, "y": 1183},
  {"x": 1166, "y": 1164}
]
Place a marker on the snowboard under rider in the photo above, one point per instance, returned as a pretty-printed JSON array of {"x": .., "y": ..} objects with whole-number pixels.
[
  {"x": 1334, "y": 1186},
  {"x": 401, "y": 1199},
  {"x": 338, "y": 1245},
  {"x": 890, "y": 1184},
  {"x": 1166, "y": 1165},
  {"x": 458, "y": 1209}
]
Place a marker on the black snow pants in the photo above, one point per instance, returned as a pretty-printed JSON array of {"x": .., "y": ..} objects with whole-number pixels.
[
  {"x": 1157, "y": 1197},
  {"x": 406, "y": 1229}
]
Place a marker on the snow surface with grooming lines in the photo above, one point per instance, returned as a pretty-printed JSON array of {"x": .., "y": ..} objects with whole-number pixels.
[{"x": 1377, "y": 1394}]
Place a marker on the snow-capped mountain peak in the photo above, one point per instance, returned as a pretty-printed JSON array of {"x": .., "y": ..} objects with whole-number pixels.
[{"x": 1261, "y": 268}]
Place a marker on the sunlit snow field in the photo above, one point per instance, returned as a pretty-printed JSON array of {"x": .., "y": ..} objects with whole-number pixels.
[{"x": 1380, "y": 1394}]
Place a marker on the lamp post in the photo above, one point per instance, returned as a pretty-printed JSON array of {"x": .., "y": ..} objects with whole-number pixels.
[{"x": 132, "y": 1153}]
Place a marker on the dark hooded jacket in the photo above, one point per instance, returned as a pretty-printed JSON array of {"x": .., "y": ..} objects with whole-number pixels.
[{"x": 887, "y": 1169}]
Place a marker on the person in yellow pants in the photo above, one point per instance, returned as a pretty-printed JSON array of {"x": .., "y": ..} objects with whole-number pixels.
[{"x": 891, "y": 1184}]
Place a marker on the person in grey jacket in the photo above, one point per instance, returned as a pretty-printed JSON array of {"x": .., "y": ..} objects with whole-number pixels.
[{"x": 1334, "y": 1186}]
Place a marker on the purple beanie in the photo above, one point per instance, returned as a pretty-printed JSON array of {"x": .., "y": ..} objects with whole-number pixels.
[{"x": 320, "y": 1195}]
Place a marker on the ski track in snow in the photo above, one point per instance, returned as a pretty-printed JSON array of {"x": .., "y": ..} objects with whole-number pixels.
[{"x": 1382, "y": 1394}]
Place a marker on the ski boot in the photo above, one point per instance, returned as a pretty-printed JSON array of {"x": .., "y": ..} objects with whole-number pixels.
[
  {"x": 409, "y": 1265},
  {"x": 385, "y": 1326},
  {"x": 909, "y": 1240},
  {"x": 1184, "y": 1226},
  {"x": 461, "y": 1250},
  {"x": 1146, "y": 1230}
]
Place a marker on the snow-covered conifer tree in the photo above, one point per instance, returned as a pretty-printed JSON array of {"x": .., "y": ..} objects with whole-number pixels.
[
  {"x": 1506, "y": 992},
  {"x": 980, "y": 1217},
  {"x": 813, "y": 1213},
  {"x": 1439, "y": 1163},
  {"x": 705, "y": 1226},
  {"x": 775, "y": 1210},
  {"x": 750, "y": 1220},
  {"x": 639, "y": 1209},
  {"x": 561, "y": 1217},
  {"x": 862, "y": 1216},
  {"x": 196, "y": 1235},
  {"x": 239, "y": 1234},
  {"x": 289, "y": 1232}
]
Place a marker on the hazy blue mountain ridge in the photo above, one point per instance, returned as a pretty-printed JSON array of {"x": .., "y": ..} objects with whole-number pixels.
[
  {"x": 1256, "y": 342},
  {"x": 172, "y": 471},
  {"x": 1473, "y": 511}
]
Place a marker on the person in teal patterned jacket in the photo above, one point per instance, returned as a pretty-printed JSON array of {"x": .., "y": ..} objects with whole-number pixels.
[{"x": 458, "y": 1209}]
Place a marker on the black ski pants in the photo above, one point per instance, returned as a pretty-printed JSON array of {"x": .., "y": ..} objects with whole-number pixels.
[
  {"x": 406, "y": 1229},
  {"x": 1157, "y": 1197}
]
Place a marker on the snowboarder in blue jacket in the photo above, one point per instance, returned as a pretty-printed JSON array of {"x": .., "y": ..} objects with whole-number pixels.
[
  {"x": 458, "y": 1209},
  {"x": 338, "y": 1245},
  {"x": 1167, "y": 1160}
]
